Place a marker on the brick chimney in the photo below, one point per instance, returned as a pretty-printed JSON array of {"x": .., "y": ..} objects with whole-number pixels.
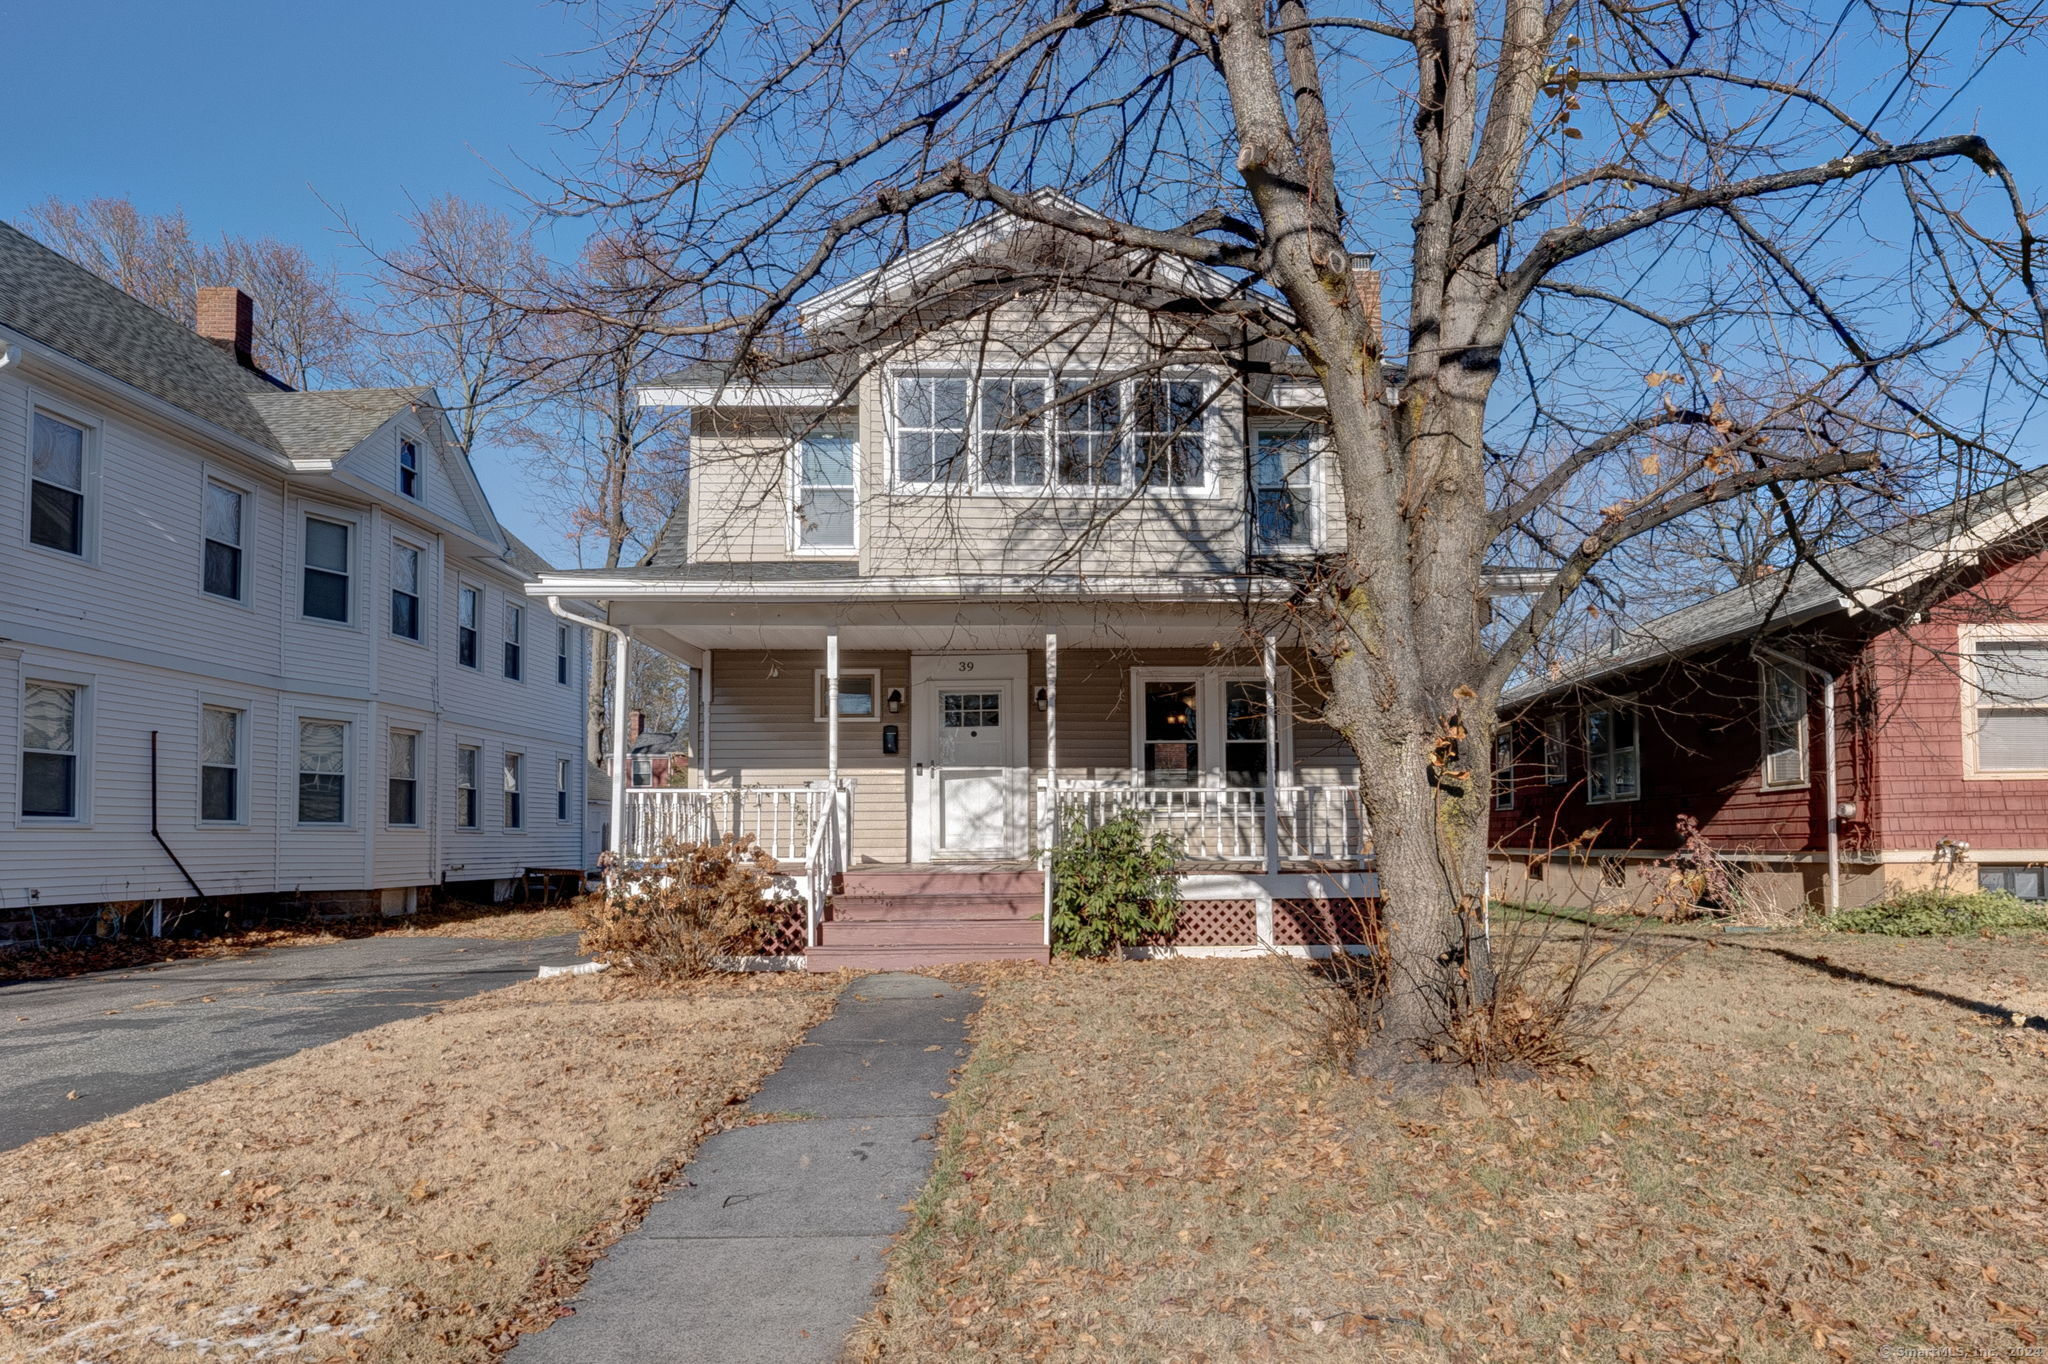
[
  {"x": 227, "y": 317},
  {"x": 636, "y": 725}
]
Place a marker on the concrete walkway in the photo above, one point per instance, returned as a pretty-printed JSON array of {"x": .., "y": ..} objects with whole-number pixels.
[
  {"x": 120, "y": 1038},
  {"x": 770, "y": 1245}
]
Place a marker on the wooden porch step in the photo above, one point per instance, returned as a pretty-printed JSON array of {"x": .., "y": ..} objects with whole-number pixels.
[
  {"x": 931, "y": 932},
  {"x": 917, "y": 881},
  {"x": 937, "y": 906},
  {"x": 905, "y": 957}
]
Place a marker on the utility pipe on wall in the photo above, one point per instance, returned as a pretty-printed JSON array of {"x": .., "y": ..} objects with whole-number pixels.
[
  {"x": 1827, "y": 711},
  {"x": 620, "y": 651}
]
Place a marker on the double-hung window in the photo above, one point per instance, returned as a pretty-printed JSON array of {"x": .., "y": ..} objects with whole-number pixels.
[
  {"x": 402, "y": 781},
  {"x": 1782, "y": 719},
  {"x": 561, "y": 788},
  {"x": 515, "y": 620},
  {"x": 1011, "y": 437},
  {"x": 222, "y": 516},
  {"x": 1166, "y": 422},
  {"x": 562, "y": 641},
  {"x": 220, "y": 765},
  {"x": 1283, "y": 500},
  {"x": 326, "y": 586},
  {"x": 1172, "y": 732},
  {"x": 1504, "y": 768},
  {"x": 409, "y": 469},
  {"x": 468, "y": 605},
  {"x": 405, "y": 590},
  {"x": 2011, "y": 704},
  {"x": 515, "y": 809},
  {"x": 56, "y": 505},
  {"x": 323, "y": 772},
  {"x": 1555, "y": 765},
  {"x": 50, "y": 724},
  {"x": 468, "y": 768},
  {"x": 1088, "y": 434},
  {"x": 825, "y": 492},
  {"x": 1613, "y": 758}
]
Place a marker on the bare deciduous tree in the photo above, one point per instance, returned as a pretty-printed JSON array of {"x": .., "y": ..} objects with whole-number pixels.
[{"x": 1727, "y": 232}]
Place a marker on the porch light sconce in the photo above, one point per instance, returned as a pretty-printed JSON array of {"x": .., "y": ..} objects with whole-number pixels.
[
  {"x": 1038, "y": 698},
  {"x": 895, "y": 700}
]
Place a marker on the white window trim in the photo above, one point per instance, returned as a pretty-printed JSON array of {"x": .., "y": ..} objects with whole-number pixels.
[
  {"x": 525, "y": 807},
  {"x": 565, "y": 649},
  {"x": 1557, "y": 750},
  {"x": 507, "y": 611},
  {"x": 793, "y": 459},
  {"x": 482, "y": 606},
  {"x": 420, "y": 596},
  {"x": 1765, "y": 667},
  {"x": 351, "y": 783},
  {"x": 244, "y": 707},
  {"x": 319, "y": 512},
  {"x": 40, "y": 400},
  {"x": 1968, "y": 637},
  {"x": 1585, "y": 718},
  {"x": 1318, "y": 460},
  {"x": 455, "y": 784},
  {"x": 82, "y": 769},
  {"x": 1209, "y": 717},
  {"x": 1504, "y": 766},
  {"x": 565, "y": 789},
  {"x": 818, "y": 695},
  {"x": 419, "y": 780},
  {"x": 1213, "y": 437},
  {"x": 419, "y": 447},
  {"x": 212, "y": 474}
]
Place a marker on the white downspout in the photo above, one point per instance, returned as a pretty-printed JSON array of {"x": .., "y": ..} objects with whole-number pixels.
[
  {"x": 1827, "y": 710},
  {"x": 620, "y": 642}
]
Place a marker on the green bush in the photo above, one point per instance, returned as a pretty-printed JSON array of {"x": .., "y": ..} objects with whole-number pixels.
[
  {"x": 1113, "y": 886},
  {"x": 1930, "y": 913}
]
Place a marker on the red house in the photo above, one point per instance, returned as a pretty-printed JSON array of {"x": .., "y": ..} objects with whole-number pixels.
[{"x": 1876, "y": 719}]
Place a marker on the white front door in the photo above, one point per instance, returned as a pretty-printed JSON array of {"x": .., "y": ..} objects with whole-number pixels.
[{"x": 969, "y": 782}]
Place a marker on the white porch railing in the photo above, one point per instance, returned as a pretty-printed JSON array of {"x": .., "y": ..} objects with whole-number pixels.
[
  {"x": 782, "y": 819},
  {"x": 1318, "y": 824}
]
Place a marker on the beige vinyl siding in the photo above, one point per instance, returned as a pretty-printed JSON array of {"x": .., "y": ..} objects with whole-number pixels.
[{"x": 739, "y": 491}]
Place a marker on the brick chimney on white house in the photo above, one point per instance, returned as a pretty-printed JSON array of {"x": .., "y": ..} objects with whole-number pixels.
[
  {"x": 227, "y": 317},
  {"x": 636, "y": 725}
]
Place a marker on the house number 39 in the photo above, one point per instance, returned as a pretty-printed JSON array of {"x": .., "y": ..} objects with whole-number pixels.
[{"x": 967, "y": 667}]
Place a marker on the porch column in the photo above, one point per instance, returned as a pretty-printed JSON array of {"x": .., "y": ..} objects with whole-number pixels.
[
  {"x": 832, "y": 708},
  {"x": 621, "y": 758},
  {"x": 1049, "y": 816},
  {"x": 1271, "y": 660},
  {"x": 704, "y": 721}
]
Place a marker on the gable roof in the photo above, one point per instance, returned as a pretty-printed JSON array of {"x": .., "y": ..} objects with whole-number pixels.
[
  {"x": 327, "y": 424},
  {"x": 47, "y": 296},
  {"x": 523, "y": 556},
  {"x": 1871, "y": 570}
]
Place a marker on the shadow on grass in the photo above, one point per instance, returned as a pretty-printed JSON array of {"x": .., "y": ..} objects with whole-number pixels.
[{"x": 1815, "y": 962}]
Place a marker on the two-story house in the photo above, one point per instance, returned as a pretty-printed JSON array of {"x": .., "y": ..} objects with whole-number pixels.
[
  {"x": 1008, "y": 558},
  {"x": 258, "y": 648}
]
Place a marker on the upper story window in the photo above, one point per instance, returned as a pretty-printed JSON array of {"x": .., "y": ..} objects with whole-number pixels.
[
  {"x": 1613, "y": 758},
  {"x": 515, "y": 621},
  {"x": 56, "y": 508},
  {"x": 405, "y": 590},
  {"x": 51, "y": 715},
  {"x": 563, "y": 639},
  {"x": 1071, "y": 432},
  {"x": 825, "y": 496},
  {"x": 1283, "y": 490},
  {"x": 2011, "y": 704},
  {"x": 468, "y": 607},
  {"x": 220, "y": 765},
  {"x": 402, "y": 783},
  {"x": 326, "y": 587},
  {"x": 1782, "y": 719},
  {"x": 409, "y": 468},
  {"x": 323, "y": 772},
  {"x": 222, "y": 518}
]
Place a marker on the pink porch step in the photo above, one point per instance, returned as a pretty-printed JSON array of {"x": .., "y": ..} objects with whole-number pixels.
[{"x": 906, "y": 917}]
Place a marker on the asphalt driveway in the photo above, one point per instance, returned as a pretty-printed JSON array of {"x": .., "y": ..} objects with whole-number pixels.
[{"x": 117, "y": 1039}]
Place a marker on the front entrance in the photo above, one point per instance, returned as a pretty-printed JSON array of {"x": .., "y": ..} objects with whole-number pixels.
[{"x": 970, "y": 776}]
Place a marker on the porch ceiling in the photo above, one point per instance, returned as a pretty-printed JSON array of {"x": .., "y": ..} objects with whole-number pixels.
[{"x": 936, "y": 626}]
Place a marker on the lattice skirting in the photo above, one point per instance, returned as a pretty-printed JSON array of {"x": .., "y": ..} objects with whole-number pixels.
[
  {"x": 1212, "y": 923},
  {"x": 785, "y": 933},
  {"x": 1325, "y": 923}
]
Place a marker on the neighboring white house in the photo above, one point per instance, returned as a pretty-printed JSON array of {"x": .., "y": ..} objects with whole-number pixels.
[{"x": 254, "y": 642}]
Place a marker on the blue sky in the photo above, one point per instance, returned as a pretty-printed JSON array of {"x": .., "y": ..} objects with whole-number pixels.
[{"x": 247, "y": 114}]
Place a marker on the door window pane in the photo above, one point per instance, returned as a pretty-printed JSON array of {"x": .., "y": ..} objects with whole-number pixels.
[
  {"x": 223, "y": 527},
  {"x": 1172, "y": 757}
]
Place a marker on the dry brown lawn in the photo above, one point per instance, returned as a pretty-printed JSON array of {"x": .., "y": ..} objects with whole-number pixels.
[
  {"x": 413, "y": 1193},
  {"x": 1777, "y": 1159}
]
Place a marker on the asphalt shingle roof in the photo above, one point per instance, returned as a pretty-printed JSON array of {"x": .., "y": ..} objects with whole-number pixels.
[
  {"x": 835, "y": 370},
  {"x": 330, "y": 423}
]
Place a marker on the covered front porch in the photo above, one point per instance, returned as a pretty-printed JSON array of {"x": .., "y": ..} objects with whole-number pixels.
[{"x": 881, "y": 726}]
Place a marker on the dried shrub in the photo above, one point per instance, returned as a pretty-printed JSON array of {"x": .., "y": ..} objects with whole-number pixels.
[
  {"x": 1543, "y": 1005},
  {"x": 678, "y": 914},
  {"x": 1701, "y": 880}
]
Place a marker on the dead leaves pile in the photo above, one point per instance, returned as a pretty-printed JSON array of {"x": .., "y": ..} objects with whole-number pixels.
[
  {"x": 1776, "y": 1165},
  {"x": 409, "y": 1194}
]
